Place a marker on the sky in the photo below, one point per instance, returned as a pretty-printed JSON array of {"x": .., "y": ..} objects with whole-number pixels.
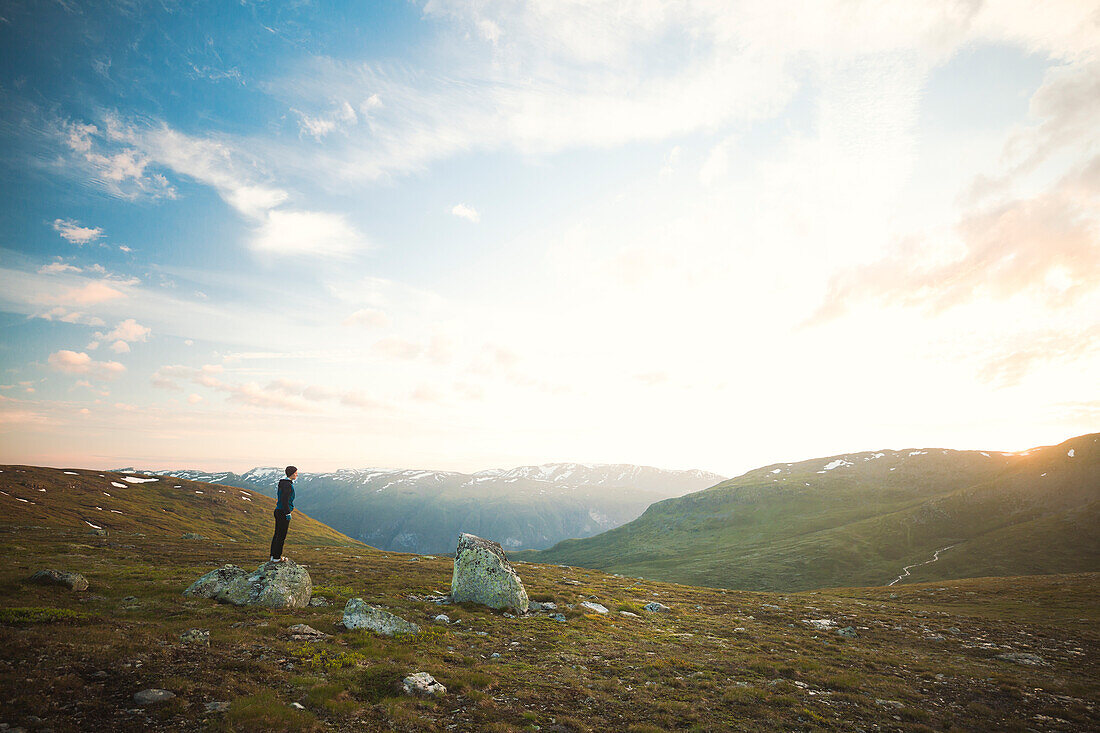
[{"x": 471, "y": 234}]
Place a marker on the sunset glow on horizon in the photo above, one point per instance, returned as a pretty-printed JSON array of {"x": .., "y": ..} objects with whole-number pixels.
[{"x": 465, "y": 235}]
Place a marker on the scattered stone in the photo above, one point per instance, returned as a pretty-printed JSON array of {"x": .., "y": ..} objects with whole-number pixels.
[
  {"x": 152, "y": 696},
  {"x": 273, "y": 585},
  {"x": 656, "y": 607},
  {"x": 628, "y": 614},
  {"x": 73, "y": 581},
  {"x": 821, "y": 624},
  {"x": 297, "y": 706},
  {"x": 557, "y": 617},
  {"x": 566, "y": 581},
  {"x": 216, "y": 707},
  {"x": 97, "y": 531},
  {"x": 319, "y": 601},
  {"x": 483, "y": 575},
  {"x": 193, "y": 536},
  {"x": 597, "y": 607},
  {"x": 770, "y": 606},
  {"x": 442, "y": 619},
  {"x": 302, "y": 632},
  {"x": 494, "y": 655},
  {"x": 848, "y": 632},
  {"x": 1024, "y": 658},
  {"x": 509, "y": 615},
  {"x": 936, "y": 637},
  {"x": 200, "y": 637},
  {"x": 544, "y": 606},
  {"x": 358, "y": 615},
  {"x": 423, "y": 684},
  {"x": 896, "y": 704}
]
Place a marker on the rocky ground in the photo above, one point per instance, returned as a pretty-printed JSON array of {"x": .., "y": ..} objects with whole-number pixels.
[{"x": 987, "y": 654}]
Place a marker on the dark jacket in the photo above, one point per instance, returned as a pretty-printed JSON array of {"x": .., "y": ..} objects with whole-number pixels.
[{"x": 285, "y": 504}]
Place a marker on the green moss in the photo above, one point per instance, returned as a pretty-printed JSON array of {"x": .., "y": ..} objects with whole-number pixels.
[{"x": 40, "y": 615}]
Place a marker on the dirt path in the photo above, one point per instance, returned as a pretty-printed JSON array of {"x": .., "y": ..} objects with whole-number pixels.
[{"x": 905, "y": 570}]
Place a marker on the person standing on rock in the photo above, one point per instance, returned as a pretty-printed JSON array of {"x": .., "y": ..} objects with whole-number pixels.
[{"x": 283, "y": 508}]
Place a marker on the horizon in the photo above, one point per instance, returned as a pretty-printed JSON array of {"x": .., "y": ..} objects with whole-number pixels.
[{"x": 477, "y": 235}]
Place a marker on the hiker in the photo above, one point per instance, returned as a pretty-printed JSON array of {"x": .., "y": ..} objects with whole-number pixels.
[{"x": 283, "y": 507}]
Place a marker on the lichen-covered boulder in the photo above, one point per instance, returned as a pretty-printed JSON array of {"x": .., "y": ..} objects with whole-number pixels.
[
  {"x": 359, "y": 615},
  {"x": 482, "y": 574},
  {"x": 272, "y": 585},
  {"x": 73, "y": 581},
  {"x": 423, "y": 684}
]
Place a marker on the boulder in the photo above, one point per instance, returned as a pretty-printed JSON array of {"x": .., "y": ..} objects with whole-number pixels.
[
  {"x": 655, "y": 607},
  {"x": 201, "y": 637},
  {"x": 423, "y": 684},
  {"x": 596, "y": 607},
  {"x": 358, "y": 615},
  {"x": 151, "y": 696},
  {"x": 483, "y": 575},
  {"x": 847, "y": 632},
  {"x": 73, "y": 581},
  {"x": 272, "y": 585}
]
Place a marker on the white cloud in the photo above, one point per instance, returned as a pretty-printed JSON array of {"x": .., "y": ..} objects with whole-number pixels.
[
  {"x": 120, "y": 347},
  {"x": 462, "y": 211},
  {"x": 128, "y": 330},
  {"x": 57, "y": 267},
  {"x": 307, "y": 233},
  {"x": 194, "y": 399},
  {"x": 320, "y": 125},
  {"x": 369, "y": 317},
  {"x": 72, "y": 231},
  {"x": 77, "y": 362}
]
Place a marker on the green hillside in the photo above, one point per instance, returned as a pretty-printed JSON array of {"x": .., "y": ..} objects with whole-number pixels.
[
  {"x": 1019, "y": 653},
  {"x": 858, "y": 519},
  {"x": 158, "y": 507}
]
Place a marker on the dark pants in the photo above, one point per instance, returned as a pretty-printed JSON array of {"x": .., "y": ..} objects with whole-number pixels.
[{"x": 282, "y": 524}]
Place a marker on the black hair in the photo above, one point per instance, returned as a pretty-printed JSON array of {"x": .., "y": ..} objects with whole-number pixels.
[{"x": 291, "y": 470}]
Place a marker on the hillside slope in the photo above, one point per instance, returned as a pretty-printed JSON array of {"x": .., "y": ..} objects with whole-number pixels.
[
  {"x": 973, "y": 655},
  {"x": 858, "y": 519},
  {"x": 424, "y": 511},
  {"x": 157, "y": 507}
]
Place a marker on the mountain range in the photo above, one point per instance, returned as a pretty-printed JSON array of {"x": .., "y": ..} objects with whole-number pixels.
[
  {"x": 528, "y": 507},
  {"x": 863, "y": 518}
]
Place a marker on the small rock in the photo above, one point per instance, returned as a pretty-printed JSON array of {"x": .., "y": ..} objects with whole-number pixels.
[
  {"x": 319, "y": 601},
  {"x": 151, "y": 696},
  {"x": 297, "y": 706},
  {"x": 216, "y": 707},
  {"x": 656, "y": 607},
  {"x": 193, "y": 536},
  {"x": 896, "y": 704},
  {"x": 1024, "y": 658},
  {"x": 557, "y": 617},
  {"x": 848, "y": 632},
  {"x": 494, "y": 655},
  {"x": 358, "y": 615},
  {"x": 302, "y": 632},
  {"x": 442, "y": 619},
  {"x": 628, "y": 614},
  {"x": 73, "y": 581},
  {"x": 597, "y": 607},
  {"x": 97, "y": 531},
  {"x": 509, "y": 615},
  {"x": 936, "y": 637},
  {"x": 422, "y": 683},
  {"x": 200, "y": 637}
]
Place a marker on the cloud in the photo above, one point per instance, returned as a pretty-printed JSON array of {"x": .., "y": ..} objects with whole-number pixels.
[
  {"x": 397, "y": 348},
  {"x": 194, "y": 399},
  {"x": 1047, "y": 245},
  {"x": 66, "y": 316},
  {"x": 74, "y": 362},
  {"x": 120, "y": 347},
  {"x": 55, "y": 268},
  {"x": 321, "y": 125},
  {"x": 462, "y": 211},
  {"x": 277, "y": 394},
  {"x": 369, "y": 317},
  {"x": 106, "y": 160},
  {"x": 90, "y": 293},
  {"x": 128, "y": 330},
  {"x": 287, "y": 232},
  {"x": 73, "y": 232},
  {"x": 1011, "y": 366}
]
